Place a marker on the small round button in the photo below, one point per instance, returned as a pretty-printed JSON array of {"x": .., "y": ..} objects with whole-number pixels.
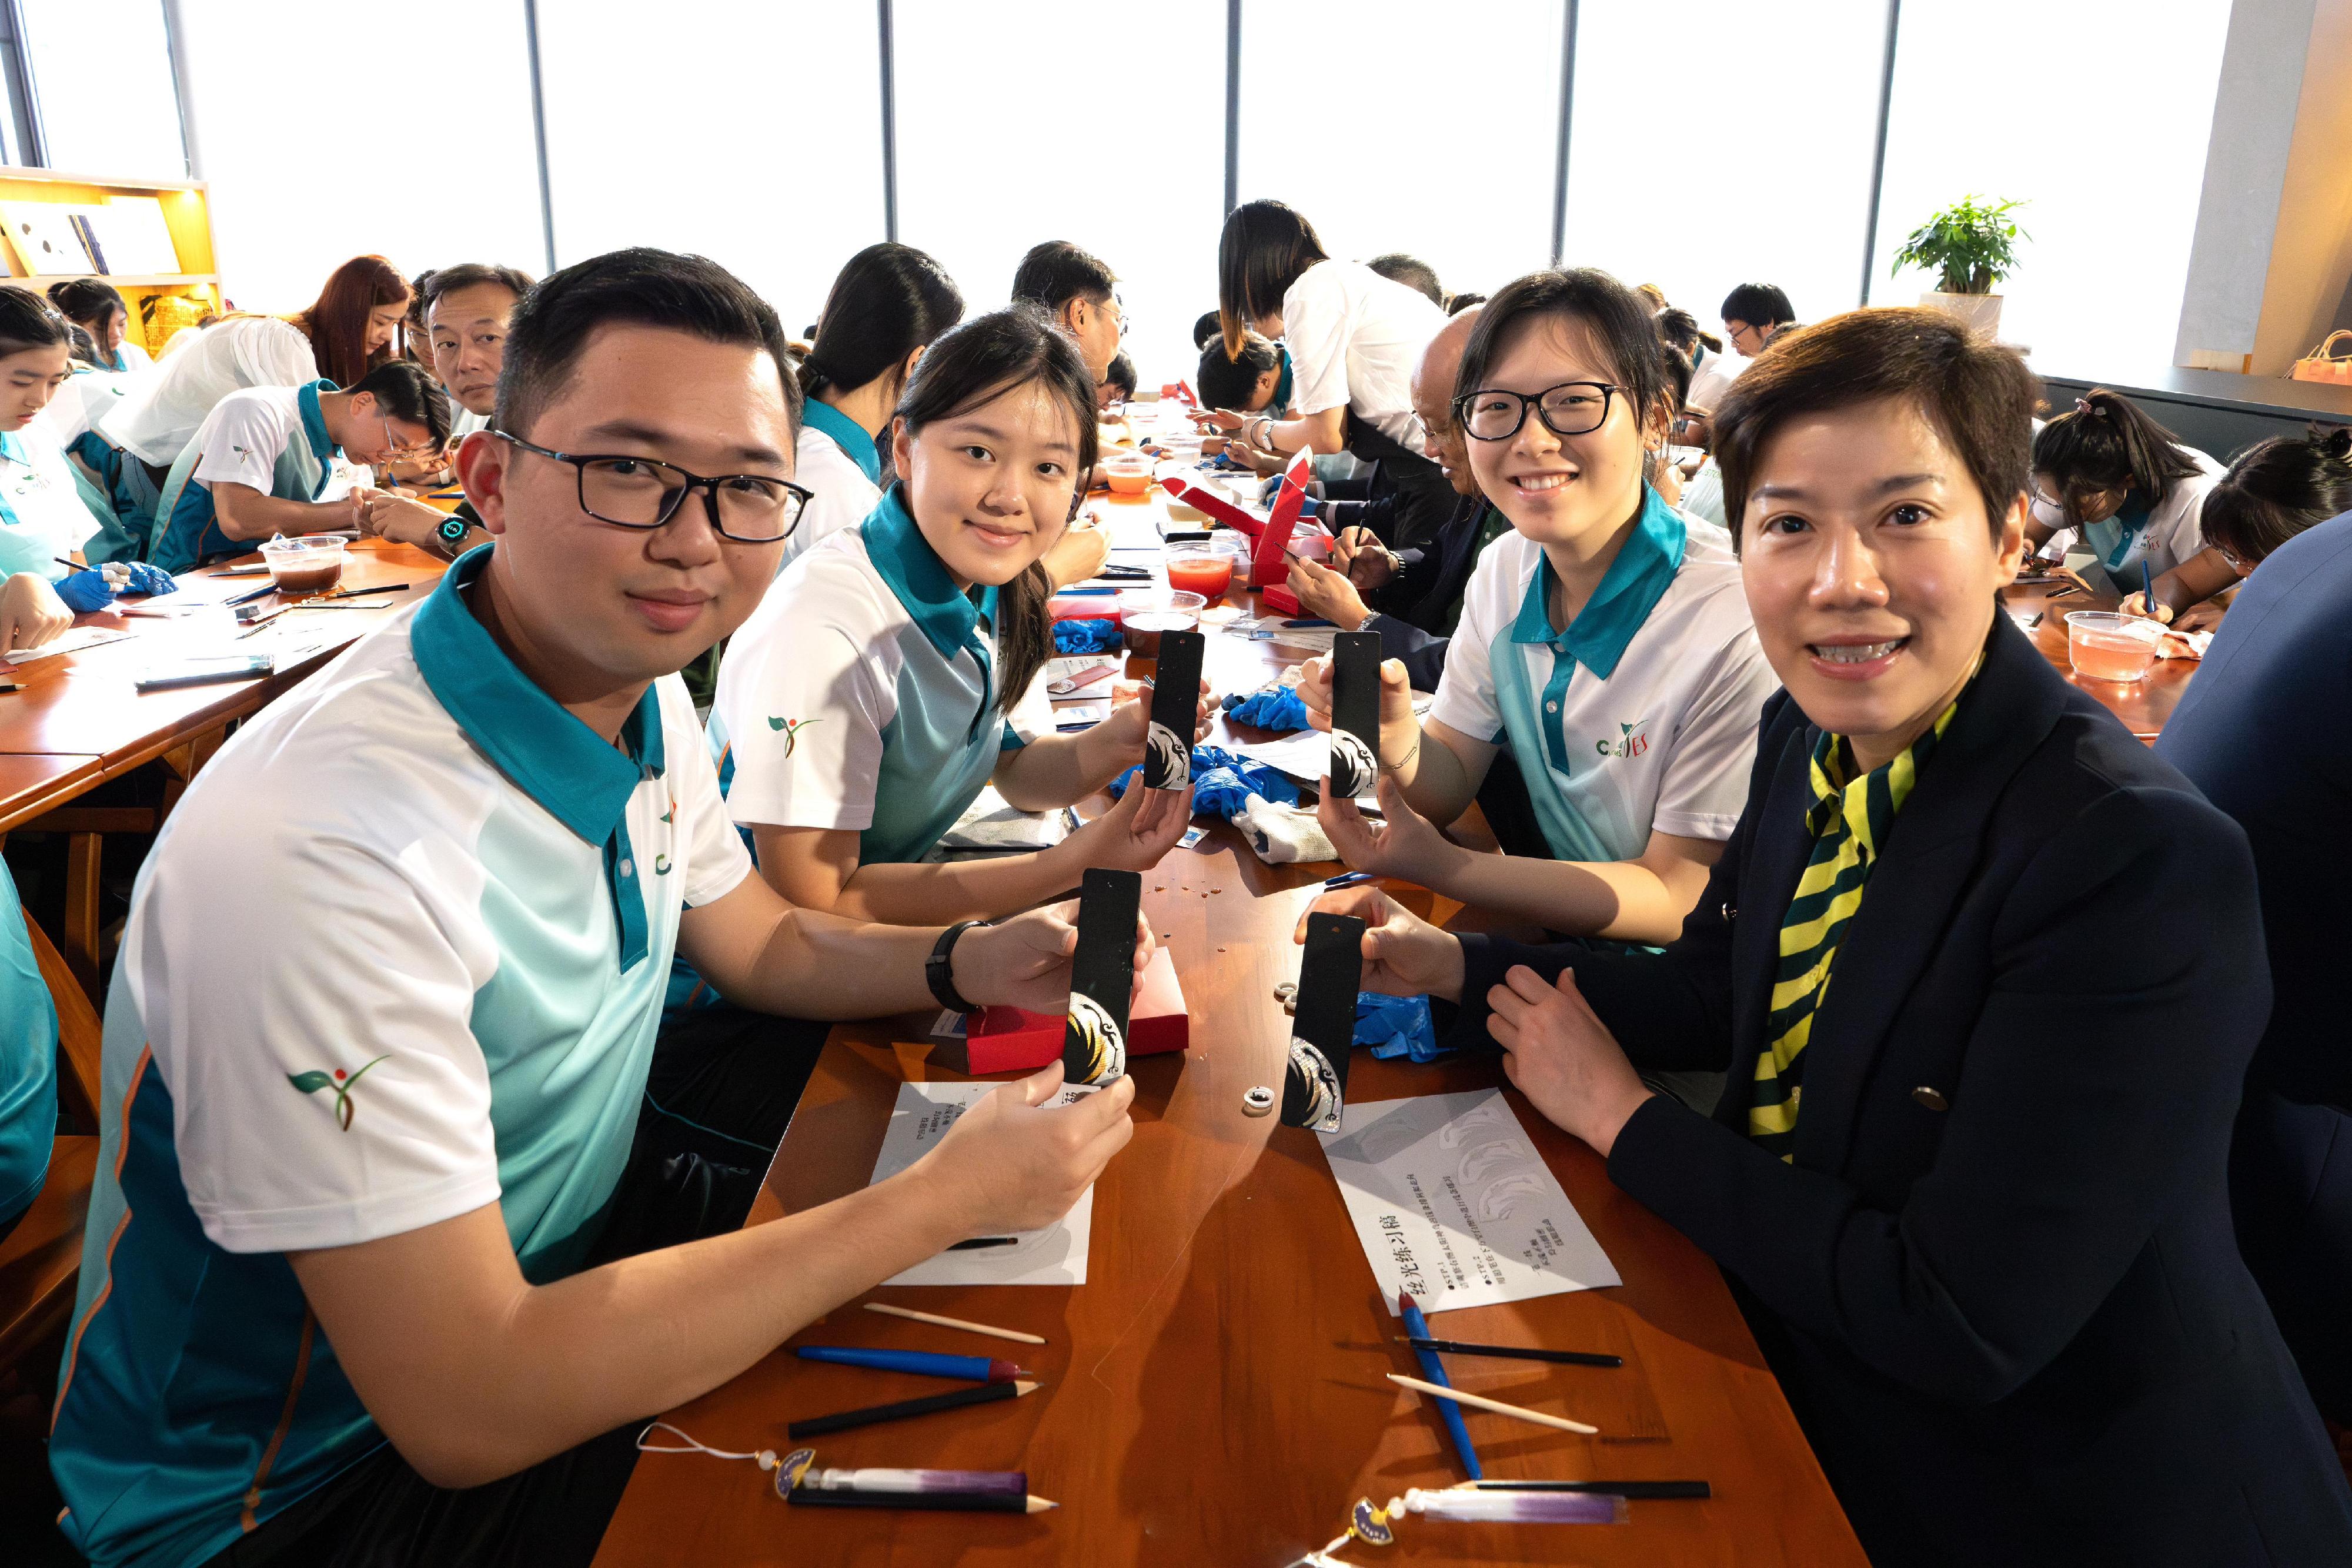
[
  {"x": 1931, "y": 1098},
  {"x": 1258, "y": 1102},
  {"x": 1551, "y": 708},
  {"x": 629, "y": 868}
]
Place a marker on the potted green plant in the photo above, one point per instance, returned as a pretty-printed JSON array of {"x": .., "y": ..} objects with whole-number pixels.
[{"x": 1969, "y": 245}]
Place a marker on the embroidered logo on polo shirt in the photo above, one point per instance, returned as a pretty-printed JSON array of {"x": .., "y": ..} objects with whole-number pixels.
[
  {"x": 1632, "y": 742},
  {"x": 661, "y": 864},
  {"x": 792, "y": 728},
  {"x": 339, "y": 1081}
]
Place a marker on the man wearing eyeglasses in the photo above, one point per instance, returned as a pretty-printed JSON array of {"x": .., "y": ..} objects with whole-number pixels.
[
  {"x": 368, "y": 1228},
  {"x": 1753, "y": 315}
]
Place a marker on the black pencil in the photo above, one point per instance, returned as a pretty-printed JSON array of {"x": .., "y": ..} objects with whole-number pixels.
[
  {"x": 980, "y": 1394},
  {"x": 1609, "y": 1489},
  {"x": 1514, "y": 1351}
]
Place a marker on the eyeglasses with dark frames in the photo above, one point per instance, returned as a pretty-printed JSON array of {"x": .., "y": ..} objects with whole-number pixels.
[
  {"x": 1571, "y": 408},
  {"x": 644, "y": 493}
]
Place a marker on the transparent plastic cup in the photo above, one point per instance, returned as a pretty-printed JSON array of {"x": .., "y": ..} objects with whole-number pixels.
[
  {"x": 302, "y": 566},
  {"x": 1149, "y": 613},
  {"x": 2106, "y": 646},
  {"x": 1197, "y": 569},
  {"x": 1129, "y": 473}
]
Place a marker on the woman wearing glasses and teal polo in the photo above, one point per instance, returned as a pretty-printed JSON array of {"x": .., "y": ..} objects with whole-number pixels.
[{"x": 1604, "y": 643}]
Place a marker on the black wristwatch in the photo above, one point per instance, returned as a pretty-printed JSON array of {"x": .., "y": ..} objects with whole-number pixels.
[
  {"x": 453, "y": 531},
  {"x": 939, "y": 969}
]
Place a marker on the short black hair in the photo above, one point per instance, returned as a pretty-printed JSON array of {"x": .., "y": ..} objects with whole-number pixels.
[
  {"x": 1978, "y": 394},
  {"x": 1208, "y": 329},
  {"x": 29, "y": 321},
  {"x": 638, "y": 286},
  {"x": 1617, "y": 320},
  {"x": 2107, "y": 441},
  {"x": 407, "y": 390},
  {"x": 431, "y": 285},
  {"x": 1227, "y": 381},
  {"x": 1458, "y": 303},
  {"x": 1056, "y": 272},
  {"x": 1412, "y": 272},
  {"x": 1121, "y": 374},
  {"x": 1759, "y": 305}
]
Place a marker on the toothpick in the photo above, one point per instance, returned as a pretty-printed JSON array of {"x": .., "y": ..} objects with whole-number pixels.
[
  {"x": 933, "y": 1318},
  {"x": 1480, "y": 1401}
]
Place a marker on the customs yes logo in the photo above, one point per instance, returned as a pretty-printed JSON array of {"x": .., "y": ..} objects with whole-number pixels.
[
  {"x": 341, "y": 1081},
  {"x": 792, "y": 728},
  {"x": 1631, "y": 740}
]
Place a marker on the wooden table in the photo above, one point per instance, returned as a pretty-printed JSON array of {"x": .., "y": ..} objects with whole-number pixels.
[
  {"x": 82, "y": 708},
  {"x": 1215, "y": 1392},
  {"x": 2142, "y": 705}
]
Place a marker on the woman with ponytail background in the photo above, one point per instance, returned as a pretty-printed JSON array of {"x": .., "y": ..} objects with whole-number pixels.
[
  {"x": 887, "y": 306},
  {"x": 894, "y": 672},
  {"x": 95, "y": 308},
  {"x": 2275, "y": 490},
  {"x": 2110, "y": 480}
]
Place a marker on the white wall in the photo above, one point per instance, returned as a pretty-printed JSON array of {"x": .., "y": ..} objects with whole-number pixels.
[{"x": 330, "y": 130}]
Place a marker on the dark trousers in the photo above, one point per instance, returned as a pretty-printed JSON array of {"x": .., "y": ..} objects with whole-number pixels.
[
  {"x": 1425, "y": 496},
  {"x": 2291, "y": 1195},
  {"x": 720, "y": 1093}
]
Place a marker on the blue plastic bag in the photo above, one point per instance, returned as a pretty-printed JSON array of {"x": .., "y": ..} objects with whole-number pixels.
[
  {"x": 1279, "y": 709},
  {"x": 1397, "y": 1026},
  {"x": 1089, "y": 637},
  {"x": 1223, "y": 783}
]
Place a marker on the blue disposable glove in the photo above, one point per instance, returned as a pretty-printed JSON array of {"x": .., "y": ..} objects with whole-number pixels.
[
  {"x": 1279, "y": 709},
  {"x": 146, "y": 578},
  {"x": 1073, "y": 635},
  {"x": 1223, "y": 783},
  {"x": 85, "y": 591},
  {"x": 1397, "y": 1026}
]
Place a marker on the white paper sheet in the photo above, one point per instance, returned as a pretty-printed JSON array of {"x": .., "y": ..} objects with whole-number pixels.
[
  {"x": 1452, "y": 1203},
  {"x": 1053, "y": 1256},
  {"x": 73, "y": 640}
]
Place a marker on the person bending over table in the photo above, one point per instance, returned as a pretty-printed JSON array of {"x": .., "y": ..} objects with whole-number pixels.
[
  {"x": 266, "y": 461},
  {"x": 1602, "y": 644},
  {"x": 2017, "y": 961},
  {"x": 2273, "y": 491},
  {"x": 44, "y": 519},
  {"x": 2112, "y": 480},
  {"x": 1412, "y": 600},
  {"x": 366, "y": 1274}
]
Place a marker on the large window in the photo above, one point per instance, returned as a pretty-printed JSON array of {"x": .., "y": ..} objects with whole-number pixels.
[
  {"x": 2111, "y": 178},
  {"x": 1024, "y": 120},
  {"x": 750, "y": 134},
  {"x": 104, "y": 74},
  {"x": 1397, "y": 126},
  {"x": 1733, "y": 148},
  {"x": 327, "y": 131}
]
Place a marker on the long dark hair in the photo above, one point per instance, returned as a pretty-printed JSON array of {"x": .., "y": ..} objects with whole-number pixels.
[
  {"x": 2103, "y": 441},
  {"x": 2276, "y": 489},
  {"x": 1618, "y": 320},
  {"x": 29, "y": 322},
  {"x": 888, "y": 301},
  {"x": 1265, "y": 248},
  {"x": 336, "y": 322},
  {"x": 982, "y": 359},
  {"x": 87, "y": 303}
]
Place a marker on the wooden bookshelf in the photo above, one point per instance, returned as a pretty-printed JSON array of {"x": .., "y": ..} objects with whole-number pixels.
[{"x": 186, "y": 214}]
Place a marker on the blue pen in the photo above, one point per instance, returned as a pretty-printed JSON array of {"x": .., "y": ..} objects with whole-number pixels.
[
  {"x": 1296, "y": 625},
  {"x": 923, "y": 1363},
  {"x": 1434, "y": 1370},
  {"x": 1349, "y": 879},
  {"x": 1088, "y": 590},
  {"x": 2147, "y": 586}
]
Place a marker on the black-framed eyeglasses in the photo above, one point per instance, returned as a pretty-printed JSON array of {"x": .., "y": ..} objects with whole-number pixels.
[
  {"x": 644, "y": 493},
  {"x": 1571, "y": 408}
]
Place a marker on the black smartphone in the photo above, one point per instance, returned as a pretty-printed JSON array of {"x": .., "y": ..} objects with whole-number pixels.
[
  {"x": 1175, "y": 704},
  {"x": 1355, "y": 713},
  {"x": 1331, "y": 973},
  {"x": 1102, "y": 977}
]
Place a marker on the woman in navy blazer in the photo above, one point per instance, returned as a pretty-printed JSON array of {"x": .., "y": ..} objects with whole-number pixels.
[{"x": 1991, "y": 1261}]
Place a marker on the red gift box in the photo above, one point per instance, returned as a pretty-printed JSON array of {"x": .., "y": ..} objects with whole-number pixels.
[{"x": 1012, "y": 1039}]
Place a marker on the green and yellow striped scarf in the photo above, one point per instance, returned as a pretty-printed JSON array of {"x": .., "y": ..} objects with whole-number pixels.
[{"x": 1850, "y": 818}]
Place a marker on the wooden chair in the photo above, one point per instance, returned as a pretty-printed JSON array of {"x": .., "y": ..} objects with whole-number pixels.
[{"x": 41, "y": 1259}]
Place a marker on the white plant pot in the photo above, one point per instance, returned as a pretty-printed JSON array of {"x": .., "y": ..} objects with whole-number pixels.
[{"x": 1978, "y": 312}]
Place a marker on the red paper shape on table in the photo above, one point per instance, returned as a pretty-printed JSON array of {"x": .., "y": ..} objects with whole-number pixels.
[
  {"x": 1179, "y": 392},
  {"x": 1268, "y": 564},
  {"x": 1009, "y": 1040},
  {"x": 1207, "y": 500}
]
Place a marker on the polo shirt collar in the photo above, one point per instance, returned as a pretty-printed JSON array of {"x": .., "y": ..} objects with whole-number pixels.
[
  {"x": 847, "y": 435},
  {"x": 1645, "y": 569},
  {"x": 314, "y": 420},
  {"x": 905, "y": 559},
  {"x": 584, "y": 781}
]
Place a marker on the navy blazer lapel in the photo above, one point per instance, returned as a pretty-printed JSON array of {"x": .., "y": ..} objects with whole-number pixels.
[
  {"x": 1766, "y": 882},
  {"x": 1917, "y": 883}
]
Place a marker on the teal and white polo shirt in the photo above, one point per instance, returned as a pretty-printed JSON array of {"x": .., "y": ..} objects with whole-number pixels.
[
  {"x": 1641, "y": 715},
  {"x": 861, "y": 695},
  {"x": 399, "y": 953},
  {"x": 837, "y": 462},
  {"x": 269, "y": 439}
]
